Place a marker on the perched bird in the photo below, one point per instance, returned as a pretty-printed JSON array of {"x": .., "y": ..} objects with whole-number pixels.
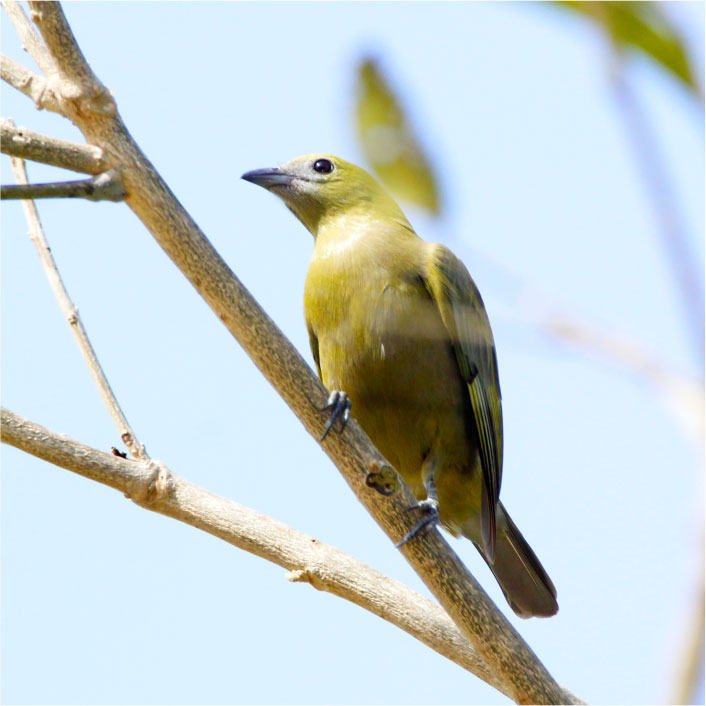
[{"x": 398, "y": 328}]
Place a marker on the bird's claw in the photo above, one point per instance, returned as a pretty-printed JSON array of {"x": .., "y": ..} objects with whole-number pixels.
[
  {"x": 340, "y": 407},
  {"x": 430, "y": 518}
]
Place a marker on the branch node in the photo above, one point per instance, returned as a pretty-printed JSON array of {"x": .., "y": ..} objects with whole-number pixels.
[
  {"x": 46, "y": 87},
  {"x": 308, "y": 575},
  {"x": 80, "y": 92},
  {"x": 136, "y": 449},
  {"x": 299, "y": 575},
  {"x": 148, "y": 489}
]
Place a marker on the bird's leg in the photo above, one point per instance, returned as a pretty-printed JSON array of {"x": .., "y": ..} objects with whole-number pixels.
[
  {"x": 340, "y": 407},
  {"x": 429, "y": 508}
]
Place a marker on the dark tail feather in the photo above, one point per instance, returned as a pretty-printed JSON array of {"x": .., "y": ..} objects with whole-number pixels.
[{"x": 528, "y": 589}]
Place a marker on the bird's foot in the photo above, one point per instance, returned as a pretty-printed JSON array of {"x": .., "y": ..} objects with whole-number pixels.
[
  {"x": 430, "y": 518},
  {"x": 340, "y": 407}
]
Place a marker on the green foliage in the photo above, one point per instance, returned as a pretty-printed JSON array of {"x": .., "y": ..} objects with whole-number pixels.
[
  {"x": 388, "y": 142},
  {"x": 642, "y": 27}
]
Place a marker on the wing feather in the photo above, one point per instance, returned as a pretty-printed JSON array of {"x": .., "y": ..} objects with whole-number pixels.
[
  {"x": 314, "y": 343},
  {"x": 463, "y": 313}
]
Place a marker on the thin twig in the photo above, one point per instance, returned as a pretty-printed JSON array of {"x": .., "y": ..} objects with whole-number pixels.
[
  {"x": 309, "y": 560},
  {"x": 21, "y": 142},
  {"x": 31, "y": 41},
  {"x": 32, "y": 85},
  {"x": 103, "y": 187},
  {"x": 70, "y": 311}
]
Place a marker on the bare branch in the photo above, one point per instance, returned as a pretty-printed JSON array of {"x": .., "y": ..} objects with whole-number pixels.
[
  {"x": 70, "y": 311},
  {"x": 29, "y": 83},
  {"x": 78, "y": 85},
  {"x": 86, "y": 103},
  {"x": 30, "y": 39},
  {"x": 309, "y": 560},
  {"x": 21, "y": 142},
  {"x": 103, "y": 187}
]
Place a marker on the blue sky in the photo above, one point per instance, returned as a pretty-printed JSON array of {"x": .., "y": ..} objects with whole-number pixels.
[{"x": 105, "y": 603}]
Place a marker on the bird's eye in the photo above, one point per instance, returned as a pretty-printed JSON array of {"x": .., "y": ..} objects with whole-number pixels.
[{"x": 323, "y": 166}]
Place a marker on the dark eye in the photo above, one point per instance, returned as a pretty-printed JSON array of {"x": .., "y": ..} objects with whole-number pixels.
[{"x": 323, "y": 166}]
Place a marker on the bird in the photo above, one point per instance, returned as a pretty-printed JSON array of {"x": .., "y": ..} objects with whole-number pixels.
[{"x": 400, "y": 336}]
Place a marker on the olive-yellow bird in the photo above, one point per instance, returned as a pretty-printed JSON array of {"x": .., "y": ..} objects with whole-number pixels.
[{"x": 398, "y": 327}]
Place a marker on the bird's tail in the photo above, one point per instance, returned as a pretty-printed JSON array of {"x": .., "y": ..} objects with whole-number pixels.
[{"x": 527, "y": 588}]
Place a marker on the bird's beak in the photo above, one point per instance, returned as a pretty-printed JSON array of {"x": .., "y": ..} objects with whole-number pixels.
[{"x": 267, "y": 178}]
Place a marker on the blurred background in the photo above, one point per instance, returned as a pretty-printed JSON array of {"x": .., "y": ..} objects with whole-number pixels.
[{"x": 558, "y": 149}]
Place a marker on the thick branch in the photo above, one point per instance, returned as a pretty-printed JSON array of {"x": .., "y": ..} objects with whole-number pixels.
[
  {"x": 500, "y": 646},
  {"x": 325, "y": 567},
  {"x": 103, "y": 187},
  {"x": 76, "y": 84},
  {"x": 21, "y": 142}
]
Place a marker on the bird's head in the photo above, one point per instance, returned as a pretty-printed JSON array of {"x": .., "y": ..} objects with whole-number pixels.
[{"x": 320, "y": 186}]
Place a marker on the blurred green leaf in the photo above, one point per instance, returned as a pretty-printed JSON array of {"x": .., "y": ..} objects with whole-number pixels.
[
  {"x": 388, "y": 143},
  {"x": 645, "y": 27}
]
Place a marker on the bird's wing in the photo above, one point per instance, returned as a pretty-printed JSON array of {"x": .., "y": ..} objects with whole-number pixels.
[
  {"x": 465, "y": 318},
  {"x": 314, "y": 343}
]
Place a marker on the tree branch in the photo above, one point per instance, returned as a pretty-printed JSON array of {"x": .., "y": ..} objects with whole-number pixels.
[
  {"x": 77, "y": 84},
  {"x": 28, "y": 83},
  {"x": 31, "y": 41},
  {"x": 308, "y": 560},
  {"x": 103, "y": 187},
  {"x": 70, "y": 312},
  {"x": 21, "y": 142}
]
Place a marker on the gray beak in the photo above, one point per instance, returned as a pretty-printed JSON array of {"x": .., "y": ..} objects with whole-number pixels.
[{"x": 267, "y": 178}]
